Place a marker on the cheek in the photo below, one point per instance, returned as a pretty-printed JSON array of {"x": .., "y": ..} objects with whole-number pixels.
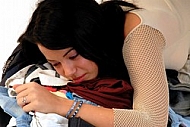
[
  {"x": 95, "y": 70},
  {"x": 92, "y": 68}
]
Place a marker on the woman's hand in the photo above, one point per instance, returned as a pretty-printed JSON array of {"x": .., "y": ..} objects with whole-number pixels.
[{"x": 34, "y": 97}]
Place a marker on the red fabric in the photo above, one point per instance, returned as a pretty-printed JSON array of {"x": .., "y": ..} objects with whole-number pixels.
[
  {"x": 109, "y": 93},
  {"x": 50, "y": 88}
]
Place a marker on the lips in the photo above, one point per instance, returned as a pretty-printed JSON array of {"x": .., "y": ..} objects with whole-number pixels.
[{"x": 79, "y": 79}]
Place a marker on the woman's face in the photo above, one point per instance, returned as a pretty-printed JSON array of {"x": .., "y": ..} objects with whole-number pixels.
[{"x": 68, "y": 63}]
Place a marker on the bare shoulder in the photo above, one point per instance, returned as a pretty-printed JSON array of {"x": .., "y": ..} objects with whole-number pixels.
[{"x": 131, "y": 21}]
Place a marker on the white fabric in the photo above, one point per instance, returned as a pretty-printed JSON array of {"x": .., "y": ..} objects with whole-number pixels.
[
  {"x": 47, "y": 77},
  {"x": 12, "y": 122},
  {"x": 48, "y": 120}
]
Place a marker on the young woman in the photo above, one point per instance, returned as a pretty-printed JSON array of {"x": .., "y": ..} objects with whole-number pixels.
[{"x": 154, "y": 36}]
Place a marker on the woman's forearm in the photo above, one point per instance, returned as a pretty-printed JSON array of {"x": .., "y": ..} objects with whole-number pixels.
[{"x": 97, "y": 116}]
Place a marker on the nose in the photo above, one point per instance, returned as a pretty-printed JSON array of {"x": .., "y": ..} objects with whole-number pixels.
[{"x": 69, "y": 69}]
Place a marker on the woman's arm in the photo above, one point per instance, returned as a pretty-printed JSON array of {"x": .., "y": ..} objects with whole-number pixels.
[
  {"x": 40, "y": 99},
  {"x": 143, "y": 51}
]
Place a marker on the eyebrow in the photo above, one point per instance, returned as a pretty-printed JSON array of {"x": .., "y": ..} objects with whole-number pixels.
[
  {"x": 68, "y": 52},
  {"x": 63, "y": 55}
]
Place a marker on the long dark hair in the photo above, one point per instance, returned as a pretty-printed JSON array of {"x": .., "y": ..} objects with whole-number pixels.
[{"x": 83, "y": 25}]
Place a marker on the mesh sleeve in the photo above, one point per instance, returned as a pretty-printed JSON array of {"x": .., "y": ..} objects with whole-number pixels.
[{"x": 143, "y": 49}]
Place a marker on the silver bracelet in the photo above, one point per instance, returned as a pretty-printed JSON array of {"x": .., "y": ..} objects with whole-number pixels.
[
  {"x": 71, "y": 109},
  {"x": 77, "y": 109}
]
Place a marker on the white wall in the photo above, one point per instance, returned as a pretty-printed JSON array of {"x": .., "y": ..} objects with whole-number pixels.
[{"x": 14, "y": 16}]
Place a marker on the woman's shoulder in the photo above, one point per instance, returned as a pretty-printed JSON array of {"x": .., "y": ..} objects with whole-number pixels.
[{"x": 131, "y": 21}]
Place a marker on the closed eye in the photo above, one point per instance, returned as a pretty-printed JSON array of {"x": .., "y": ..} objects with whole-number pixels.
[
  {"x": 55, "y": 64},
  {"x": 73, "y": 57}
]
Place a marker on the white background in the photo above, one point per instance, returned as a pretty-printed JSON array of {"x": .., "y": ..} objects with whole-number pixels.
[{"x": 14, "y": 17}]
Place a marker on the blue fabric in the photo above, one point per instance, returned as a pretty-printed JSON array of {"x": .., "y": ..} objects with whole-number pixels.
[
  {"x": 69, "y": 95},
  {"x": 177, "y": 120},
  {"x": 10, "y": 106}
]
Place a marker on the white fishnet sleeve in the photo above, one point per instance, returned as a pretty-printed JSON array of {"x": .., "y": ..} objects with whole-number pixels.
[{"x": 142, "y": 51}]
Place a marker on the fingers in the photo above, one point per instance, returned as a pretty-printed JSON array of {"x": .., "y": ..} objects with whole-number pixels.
[
  {"x": 23, "y": 94},
  {"x": 25, "y": 89},
  {"x": 24, "y": 100},
  {"x": 19, "y": 88},
  {"x": 15, "y": 86},
  {"x": 25, "y": 104}
]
